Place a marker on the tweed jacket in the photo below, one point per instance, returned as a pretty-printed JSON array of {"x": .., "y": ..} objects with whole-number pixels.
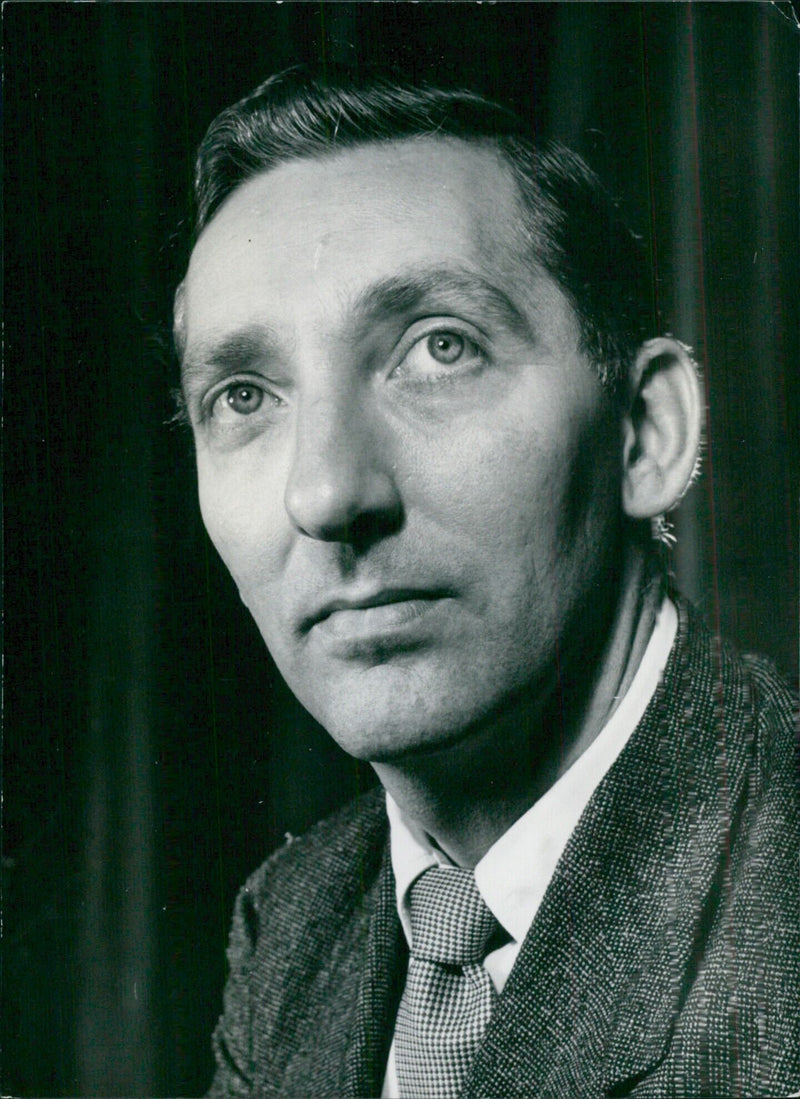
[{"x": 664, "y": 959}]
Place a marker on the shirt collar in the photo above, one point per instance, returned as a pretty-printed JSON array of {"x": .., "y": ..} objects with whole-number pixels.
[{"x": 513, "y": 875}]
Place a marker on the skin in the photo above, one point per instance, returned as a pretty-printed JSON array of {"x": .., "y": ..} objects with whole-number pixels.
[{"x": 413, "y": 474}]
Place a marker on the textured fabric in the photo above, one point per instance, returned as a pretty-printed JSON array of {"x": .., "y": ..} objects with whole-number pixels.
[
  {"x": 664, "y": 960},
  {"x": 448, "y": 996}
]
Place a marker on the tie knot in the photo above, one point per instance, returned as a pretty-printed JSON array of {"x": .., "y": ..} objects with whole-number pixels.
[{"x": 450, "y": 922}]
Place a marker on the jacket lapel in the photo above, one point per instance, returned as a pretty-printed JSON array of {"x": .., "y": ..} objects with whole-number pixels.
[
  {"x": 386, "y": 959},
  {"x": 337, "y": 965},
  {"x": 600, "y": 978}
]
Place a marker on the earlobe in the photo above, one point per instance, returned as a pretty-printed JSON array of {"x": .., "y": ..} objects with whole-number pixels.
[{"x": 662, "y": 429}]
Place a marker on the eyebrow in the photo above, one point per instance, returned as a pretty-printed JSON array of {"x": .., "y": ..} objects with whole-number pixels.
[
  {"x": 444, "y": 288},
  {"x": 234, "y": 353}
]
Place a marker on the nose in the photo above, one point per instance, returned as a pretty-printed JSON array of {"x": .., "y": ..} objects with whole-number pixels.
[{"x": 341, "y": 487}]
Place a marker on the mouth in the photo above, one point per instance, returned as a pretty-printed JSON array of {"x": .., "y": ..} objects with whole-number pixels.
[{"x": 381, "y": 613}]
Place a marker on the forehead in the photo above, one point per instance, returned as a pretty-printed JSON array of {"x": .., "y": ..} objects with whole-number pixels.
[{"x": 329, "y": 227}]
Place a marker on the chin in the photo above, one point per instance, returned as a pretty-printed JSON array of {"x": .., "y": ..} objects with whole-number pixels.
[
  {"x": 399, "y": 747},
  {"x": 378, "y": 731}
]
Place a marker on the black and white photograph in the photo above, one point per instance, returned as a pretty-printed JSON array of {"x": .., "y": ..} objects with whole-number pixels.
[{"x": 401, "y": 491}]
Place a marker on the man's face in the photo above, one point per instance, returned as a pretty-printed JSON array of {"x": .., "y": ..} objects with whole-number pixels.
[{"x": 404, "y": 459}]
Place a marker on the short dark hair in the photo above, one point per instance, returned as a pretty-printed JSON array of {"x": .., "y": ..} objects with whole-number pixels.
[{"x": 572, "y": 223}]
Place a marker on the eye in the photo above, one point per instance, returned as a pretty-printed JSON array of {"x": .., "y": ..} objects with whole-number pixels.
[
  {"x": 236, "y": 401},
  {"x": 443, "y": 347}
]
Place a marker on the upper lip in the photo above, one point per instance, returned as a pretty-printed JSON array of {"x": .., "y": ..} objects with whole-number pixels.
[{"x": 360, "y": 602}]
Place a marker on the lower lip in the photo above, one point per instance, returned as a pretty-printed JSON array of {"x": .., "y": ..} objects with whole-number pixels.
[{"x": 404, "y": 620}]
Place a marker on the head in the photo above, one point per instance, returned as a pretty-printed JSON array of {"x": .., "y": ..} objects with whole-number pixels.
[{"x": 427, "y": 417}]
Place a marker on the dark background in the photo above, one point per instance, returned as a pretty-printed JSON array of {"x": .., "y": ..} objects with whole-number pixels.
[{"x": 152, "y": 756}]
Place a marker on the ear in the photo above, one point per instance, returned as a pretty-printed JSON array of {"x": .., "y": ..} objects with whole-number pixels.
[{"x": 662, "y": 429}]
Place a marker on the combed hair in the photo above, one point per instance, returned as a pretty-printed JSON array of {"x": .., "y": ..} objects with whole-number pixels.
[{"x": 569, "y": 220}]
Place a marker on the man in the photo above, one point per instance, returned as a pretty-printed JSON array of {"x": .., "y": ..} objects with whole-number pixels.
[{"x": 434, "y": 435}]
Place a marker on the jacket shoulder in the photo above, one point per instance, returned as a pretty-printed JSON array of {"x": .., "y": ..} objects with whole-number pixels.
[
  {"x": 289, "y": 883},
  {"x": 742, "y": 693},
  {"x": 295, "y": 924}
]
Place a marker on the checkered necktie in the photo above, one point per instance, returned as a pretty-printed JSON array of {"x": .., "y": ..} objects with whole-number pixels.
[{"x": 448, "y": 995}]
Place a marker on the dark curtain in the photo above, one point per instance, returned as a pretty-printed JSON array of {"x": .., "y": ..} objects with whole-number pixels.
[{"x": 152, "y": 756}]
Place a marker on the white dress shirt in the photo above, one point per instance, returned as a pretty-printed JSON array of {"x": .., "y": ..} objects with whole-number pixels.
[{"x": 513, "y": 875}]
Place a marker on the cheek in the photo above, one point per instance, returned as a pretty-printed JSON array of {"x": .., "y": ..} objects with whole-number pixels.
[
  {"x": 242, "y": 516},
  {"x": 534, "y": 504},
  {"x": 504, "y": 484},
  {"x": 590, "y": 483}
]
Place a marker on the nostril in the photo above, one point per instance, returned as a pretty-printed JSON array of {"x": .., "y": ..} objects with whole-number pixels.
[
  {"x": 332, "y": 507},
  {"x": 371, "y": 526}
]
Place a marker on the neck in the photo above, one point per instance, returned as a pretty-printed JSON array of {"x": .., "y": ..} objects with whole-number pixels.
[{"x": 467, "y": 796}]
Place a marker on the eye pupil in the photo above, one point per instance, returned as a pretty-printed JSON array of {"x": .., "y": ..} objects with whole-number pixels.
[{"x": 445, "y": 347}]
